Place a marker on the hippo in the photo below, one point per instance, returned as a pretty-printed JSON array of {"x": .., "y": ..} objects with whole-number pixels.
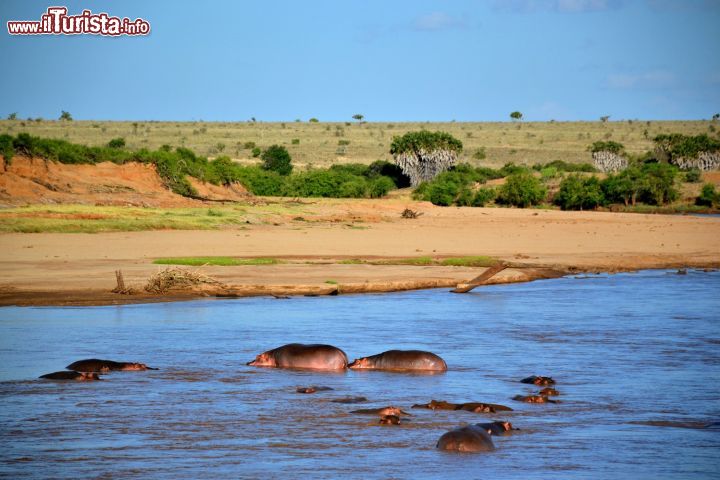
[
  {"x": 385, "y": 411},
  {"x": 389, "y": 420},
  {"x": 71, "y": 375},
  {"x": 472, "y": 438},
  {"x": 312, "y": 389},
  {"x": 350, "y": 400},
  {"x": 534, "y": 399},
  {"x": 548, "y": 391},
  {"x": 104, "y": 366},
  {"x": 539, "y": 381},
  {"x": 402, "y": 360},
  {"x": 475, "y": 407},
  {"x": 496, "y": 428},
  {"x": 305, "y": 356}
]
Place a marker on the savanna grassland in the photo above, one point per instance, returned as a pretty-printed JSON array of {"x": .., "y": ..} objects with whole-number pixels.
[{"x": 322, "y": 144}]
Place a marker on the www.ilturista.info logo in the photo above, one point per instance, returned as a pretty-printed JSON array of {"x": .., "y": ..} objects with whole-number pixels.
[{"x": 57, "y": 22}]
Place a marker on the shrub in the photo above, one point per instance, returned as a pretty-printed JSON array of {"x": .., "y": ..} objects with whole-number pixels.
[
  {"x": 224, "y": 171},
  {"x": 708, "y": 196},
  {"x": 295, "y": 141},
  {"x": 249, "y": 145},
  {"x": 355, "y": 188},
  {"x": 480, "y": 154},
  {"x": 313, "y": 120},
  {"x": 522, "y": 190},
  {"x": 65, "y": 116},
  {"x": 609, "y": 146},
  {"x": 578, "y": 193},
  {"x": 483, "y": 196},
  {"x": 357, "y": 169},
  {"x": 659, "y": 183},
  {"x": 6, "y": 149},
  {"x": 277, "y": 159},
  {"x": 693, "y": 175},
  {"x": 380, "y": 186},
  {"x": 262, "y": 182},
  {"x": 255, "y": 152},
  {"x": 562, "y": 166},
  {"x": 443, "y": 192},
  {"x": 116, "y": 143},
  {"x": 511, "y": 169}
]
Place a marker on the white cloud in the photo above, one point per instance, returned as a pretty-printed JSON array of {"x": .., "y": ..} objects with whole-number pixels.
[
  {"x": 651, "y": 79},
  {"x": 437, "y": 21}
]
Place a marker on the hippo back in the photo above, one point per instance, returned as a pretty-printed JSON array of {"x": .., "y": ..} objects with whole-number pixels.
[
  {"x": 466, "y": 439},
  {"x": 311, "y": 356},
  {"x": 407, "y": 360}
]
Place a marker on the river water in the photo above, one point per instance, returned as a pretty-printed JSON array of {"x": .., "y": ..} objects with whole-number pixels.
[{"x": 626, "y": 350}]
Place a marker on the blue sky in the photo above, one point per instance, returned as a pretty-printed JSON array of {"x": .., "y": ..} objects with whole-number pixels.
[{"x": 413, "y": 60}]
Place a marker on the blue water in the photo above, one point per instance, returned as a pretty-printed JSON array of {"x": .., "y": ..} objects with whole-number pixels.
[{"x": 624, "y": 349}]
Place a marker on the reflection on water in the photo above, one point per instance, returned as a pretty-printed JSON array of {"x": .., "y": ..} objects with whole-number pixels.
[{"x": 632, "y": 354}]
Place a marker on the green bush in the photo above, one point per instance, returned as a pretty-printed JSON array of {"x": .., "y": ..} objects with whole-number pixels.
[
  {"x": 484, "y": 196},
  {"x": 694, "y": 175},
  {"x": 255, "y": 152},
  {"x": 443, "y": 192},
  {"x": 357, "y": 169},
  {"x": 262, "y": 182},
  {"x": 609, "y": 146},
  {"x": 579, "y": 193},
  {"x": 116, "y": 143},
  {"x": 679, "y": 145},
  {"x": 380, "y": 186},
  {"x": 223, "y": 171},
  {"x": 562, "y": 166},
  {"x": 708, "y": 196},
  {"x": 249, "y": 145},
  {"x": 522, "y": 190},
  {"x": 6, "y": 149},
  {"x": 355, "y": 188},
  {"x": 295, "y": 141},
  {"x": 652, "y": 183},
  {"x": 659, "y": 183},
  {"x": 277, "y": 159}
]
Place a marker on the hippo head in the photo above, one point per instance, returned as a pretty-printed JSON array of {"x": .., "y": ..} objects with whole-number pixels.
[
  {"x": 389, "y": 420},
  {"x": 136, "y": 366},
  {"x": 360, "y": 363},
  {"x": 88, "y": 376},
  {"x": 507, "y": 426},
  {"x": 263, "y": 360}
]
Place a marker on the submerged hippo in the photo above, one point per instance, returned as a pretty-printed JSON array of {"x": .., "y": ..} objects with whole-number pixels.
[
  {"x": 298, "y": 355},
  {"x": 539, "y": 381},
  {"x": 534, "y": 399},
  {"x": 312, "y": 389},
  {"x": 385, "y": 411},
  {"x": 475, "y": 407},
  {"x": 72, "y": 375},
  {"x": 472, "y": 438},
  {"x": 548, "y": 391},
  {"x": 104, "y": 366},
  {"x": 401, "y": 360}
]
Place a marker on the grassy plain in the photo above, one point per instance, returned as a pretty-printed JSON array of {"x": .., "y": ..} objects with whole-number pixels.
[{"x": 324, "y": 144}]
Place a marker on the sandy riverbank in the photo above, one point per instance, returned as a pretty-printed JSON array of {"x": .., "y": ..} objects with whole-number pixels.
[{"x": 59, "y": 269}]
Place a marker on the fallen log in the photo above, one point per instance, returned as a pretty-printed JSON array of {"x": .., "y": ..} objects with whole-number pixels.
[{"x": 480, "y": 279}]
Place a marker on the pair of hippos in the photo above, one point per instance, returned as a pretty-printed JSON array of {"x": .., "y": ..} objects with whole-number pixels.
[
  {"x": 90, "y": 369},
  {"x": 328, "y": 357},
  {"x": 542, "y": 395}
]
